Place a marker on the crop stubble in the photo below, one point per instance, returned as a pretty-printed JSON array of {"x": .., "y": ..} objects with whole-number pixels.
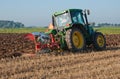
[{"x": 92, "y": 65}]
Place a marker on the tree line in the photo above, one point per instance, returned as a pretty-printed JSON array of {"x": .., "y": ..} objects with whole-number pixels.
[
  {"x": 108, "y": 24},
  {"x": 10, "y": 24}
]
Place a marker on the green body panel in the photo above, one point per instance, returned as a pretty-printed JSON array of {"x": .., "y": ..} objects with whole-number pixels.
[
  {"x": 59, "y": 35},
  {"x": 52, "y": 31}
]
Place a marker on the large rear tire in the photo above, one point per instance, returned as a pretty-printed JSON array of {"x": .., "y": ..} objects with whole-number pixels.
[
  {"x": 75, "y": 40},
  {"x": 99, "y": 41}
]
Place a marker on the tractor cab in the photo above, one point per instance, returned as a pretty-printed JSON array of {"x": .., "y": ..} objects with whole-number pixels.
[{"x": 67, "y": 18}]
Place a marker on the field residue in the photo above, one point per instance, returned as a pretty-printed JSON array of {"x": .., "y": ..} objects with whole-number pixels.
[{"x": 94, "y": 65}]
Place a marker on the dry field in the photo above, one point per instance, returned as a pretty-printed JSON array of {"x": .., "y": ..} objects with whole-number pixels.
[
  {"x": 93, "y": 65},
  {"x": 89, "y": 65}
]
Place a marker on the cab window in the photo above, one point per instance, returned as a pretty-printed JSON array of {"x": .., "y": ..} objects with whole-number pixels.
[{"x": 77, "y": 17}]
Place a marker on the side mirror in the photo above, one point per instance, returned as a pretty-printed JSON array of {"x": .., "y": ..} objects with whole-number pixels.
[{"x": 88, "y": 12}]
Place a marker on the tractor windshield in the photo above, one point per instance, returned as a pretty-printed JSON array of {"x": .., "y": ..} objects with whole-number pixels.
[{"x": 63, "y": 19}]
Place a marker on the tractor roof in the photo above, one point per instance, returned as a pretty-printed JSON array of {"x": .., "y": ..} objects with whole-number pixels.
[{"x": 61, "y": 12}]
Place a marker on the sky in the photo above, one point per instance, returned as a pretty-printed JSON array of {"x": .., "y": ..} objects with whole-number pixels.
[{"x": 38, "y": 12}]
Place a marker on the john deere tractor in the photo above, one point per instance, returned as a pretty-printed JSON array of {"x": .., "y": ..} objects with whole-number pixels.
[
  {"x": 70, "y": 30},
  {"x": 73, "y": 31}
]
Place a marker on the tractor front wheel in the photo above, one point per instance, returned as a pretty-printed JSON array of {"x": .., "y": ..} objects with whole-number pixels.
[
  {"x": 75, "y": 39},
  {"x": 99, "y": 41}
]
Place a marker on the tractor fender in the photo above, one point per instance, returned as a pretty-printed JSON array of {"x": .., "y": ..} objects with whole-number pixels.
[{"x": 79, "y": 26}]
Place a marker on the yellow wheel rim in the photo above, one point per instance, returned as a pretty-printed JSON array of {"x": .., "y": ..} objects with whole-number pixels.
[
  {"x": 78, "y": 40},
  {"x": 100, "y": 41}
]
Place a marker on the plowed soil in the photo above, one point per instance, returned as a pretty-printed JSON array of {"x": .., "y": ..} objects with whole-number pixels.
[
  {"x": 12, "y": 43},
  {"x": 113, "y": 40}
]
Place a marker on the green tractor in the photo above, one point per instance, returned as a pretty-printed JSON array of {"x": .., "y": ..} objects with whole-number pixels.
[
  {"x": 69, "y": 30},
  {"x": 72, "y": 30}
]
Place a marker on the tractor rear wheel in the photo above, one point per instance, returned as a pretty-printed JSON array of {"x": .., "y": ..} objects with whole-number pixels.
[
  {"x": 99, "y": 41},
  {"x": 75, "y": 40}
]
